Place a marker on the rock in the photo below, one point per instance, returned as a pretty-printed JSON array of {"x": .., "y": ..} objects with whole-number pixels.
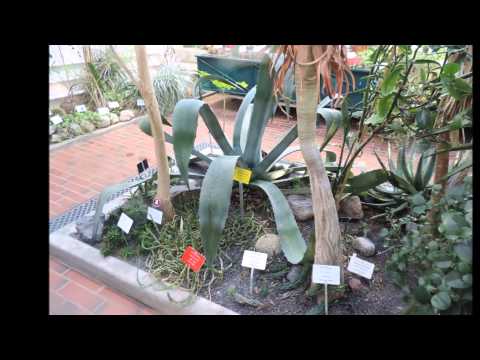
[
  {"x": 114, "y": 118},
  {"x": 268, "y": 243},
  {"x": 294, "y": 273},
  {"x": 104, "y": 121},
  {"x": 363, "y": 245},
  {"x": 63, "y": 133},
  {"x": 301, "y": 206},
  {"x": 352, "y": 207},
  {"x": 75, "y": 129},
  {"x": 52, "y": 129},
  {"x": 355, "y": 285},
  {"x": 56, "y": 138},
  {"x": 126, "y": 115},
  {"x": 178, "y": 189},
  {"x": 84, "y": 228},
  {"x": 87, "y": 126}
]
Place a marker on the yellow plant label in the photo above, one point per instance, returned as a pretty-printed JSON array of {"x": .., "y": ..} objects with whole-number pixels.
[{"x": 242, "y": 175}]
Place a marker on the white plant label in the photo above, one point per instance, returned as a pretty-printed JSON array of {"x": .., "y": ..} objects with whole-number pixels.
[
  {"x": 154, "y": 215},
  {"x": 361, "y": 267},
  {"x": 80, "y": 108},
  {"x": 140, "y": 102},
  {"x": 103, "y": 110},
  {"x": 326, "y": 274},
  {"x": 56, "y": 119},
  {"x": 113, "y": 104},
  {"x": 125, "y": 223},
  {"x": 254, "y": 260}
]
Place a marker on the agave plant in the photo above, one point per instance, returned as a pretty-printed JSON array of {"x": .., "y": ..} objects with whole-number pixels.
[
  {"x": 407, "y": 180},
  {"x": 244, "y": 152}
]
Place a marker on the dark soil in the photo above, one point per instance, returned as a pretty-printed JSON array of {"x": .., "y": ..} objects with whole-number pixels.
[{"x": 379, "y": 295}]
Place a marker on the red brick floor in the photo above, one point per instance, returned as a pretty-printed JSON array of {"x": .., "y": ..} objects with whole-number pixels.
[
  {"x": 72, "y": 293},
  {"x": 80, "y": 170}
]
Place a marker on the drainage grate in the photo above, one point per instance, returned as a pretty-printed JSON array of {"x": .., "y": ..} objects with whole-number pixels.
[{"x": 81, "y": 210}]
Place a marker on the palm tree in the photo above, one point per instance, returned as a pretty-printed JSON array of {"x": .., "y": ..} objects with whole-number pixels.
[
  {"x": 312, "y": 63},
  {"x": 145, "y": 87}
]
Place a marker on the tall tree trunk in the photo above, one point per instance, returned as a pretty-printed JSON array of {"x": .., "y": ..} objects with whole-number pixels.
[
  {"x": 328, "y": 249},
  {"x": 146, "y": 89}
]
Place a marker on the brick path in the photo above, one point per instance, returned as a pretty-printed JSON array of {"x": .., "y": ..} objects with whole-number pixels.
[{"x": 80, "y": 170}]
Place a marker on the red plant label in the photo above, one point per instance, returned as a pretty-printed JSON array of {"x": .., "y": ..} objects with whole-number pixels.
[{"x": 193, "y": 259}]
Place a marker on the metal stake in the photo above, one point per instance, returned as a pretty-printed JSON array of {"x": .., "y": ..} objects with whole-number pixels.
[
  {"x": 251, "y": 281},
  {"x": 326, "y": 300},
  {"x": 240, "y": 191}
]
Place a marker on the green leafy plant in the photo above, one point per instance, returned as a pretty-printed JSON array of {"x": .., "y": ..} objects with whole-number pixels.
[
  {"x": 441, "y": 266},
  {"x": 245, "y": 153}
]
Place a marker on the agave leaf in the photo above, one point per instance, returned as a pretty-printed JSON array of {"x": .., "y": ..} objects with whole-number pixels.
[
  {"x": 185, "y": 121},
  {"x": 402, "y": 165},
  {"x": 214, "y": 203},
  {"x": 291, "y": 240},
  {"x": 368, "y": 180},
  {"x": 333, "y": 120},
  {"x": 276, "y": 153},
  {"x": 247, "y": 100},
  {"x": 262, "y": 111},
  {"x": 401, "y": 183},
  {"x": 429, "y": 167},
  {"x": 418, "y": 180}
]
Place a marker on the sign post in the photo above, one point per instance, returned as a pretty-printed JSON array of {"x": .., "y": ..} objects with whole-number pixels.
[
  {"x": 254, "y": 260},
  {"x": 326, "y": 274}
]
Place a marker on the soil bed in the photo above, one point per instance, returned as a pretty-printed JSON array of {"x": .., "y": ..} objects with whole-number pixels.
[{"x": 273, "y": 293}]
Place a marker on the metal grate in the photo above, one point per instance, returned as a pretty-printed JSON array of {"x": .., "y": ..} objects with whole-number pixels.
[{"x": 81, "y": 210}]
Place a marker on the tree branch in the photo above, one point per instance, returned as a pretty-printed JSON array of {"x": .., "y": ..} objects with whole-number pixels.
[{"x": 125, "y": 68}]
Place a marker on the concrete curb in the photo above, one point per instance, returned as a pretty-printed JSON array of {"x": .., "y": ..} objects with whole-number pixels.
[{"x": 123, "y": 277}]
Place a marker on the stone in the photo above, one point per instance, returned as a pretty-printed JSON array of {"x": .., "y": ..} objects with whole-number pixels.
[
  {"x": 176, "y": 190},
  {"x": 56, "y": 138},
  {"x": 84, "y": 228},
  {"x": 269, "y": 243},
  {"x": 355, "y": 284},
  {"x": 352, "y": 207},
  {"x": 126, "y": 115},
  {"x": 301, "y": 206},
  {"x": 75, "y": 129},
  {"x": 52, "y": 129},
  {"x": 364, "y": 246},
  {"x": 104, "y": 121},
  {"x": 294, "y": 273},
  {"x": 63, "y": 133},
  {"x": 87, "y": 126},
  {"x": 114, "y": 118}
]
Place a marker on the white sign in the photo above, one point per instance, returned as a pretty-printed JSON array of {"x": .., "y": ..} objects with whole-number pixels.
[
  {"x": 326, "y": 274},
  {"x": 361, "y": 267},
  {"x": 125, "y": 223},
  {"x": 154, "y": 215},
  {"x": 255, "y": 260},
  {"x": 140, "y": 102},
  {"x": 56, "y": 119},
  {"x": 80, "y": 108},
  {"x": 103, "y": 110},
  {"x": 113, "y": 104}
]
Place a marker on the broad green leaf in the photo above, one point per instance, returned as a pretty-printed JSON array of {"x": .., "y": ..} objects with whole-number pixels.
[
  {"x": 185, "y": 121},
  {"x": 262, "y": 111},
  {"x": 247, "y": 100},
  {"x": 418, "y": 199},
  {"x": 441, "y": 301},
  {"x": 452, "y": 223},
  {"x": 424, "y": 119},
  {"x": 330, "y": 157},
  {"x": 422, "y": 295},
  {"x": 277, "y": 151},
  {"x": 443, "y": 264},
  {"x": 144, "y": 125},
  {"x": 449, "y": 70},
  {"x": 374, "y": 120},
  {"x": 215, "y": 202},
  {"x": 291, "y": 240},
  {"x": 464, "y": 252},
  {"x": 384, "y": 105},
  {"x": 368, "y": 180},
  {"x": 426, "y": 61},
  {"x": 457, "y": 88},
  {"x": 453, "y": 280},
  {"x": 390, "y": 81},
  {"x": 333, "y": 120}
]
